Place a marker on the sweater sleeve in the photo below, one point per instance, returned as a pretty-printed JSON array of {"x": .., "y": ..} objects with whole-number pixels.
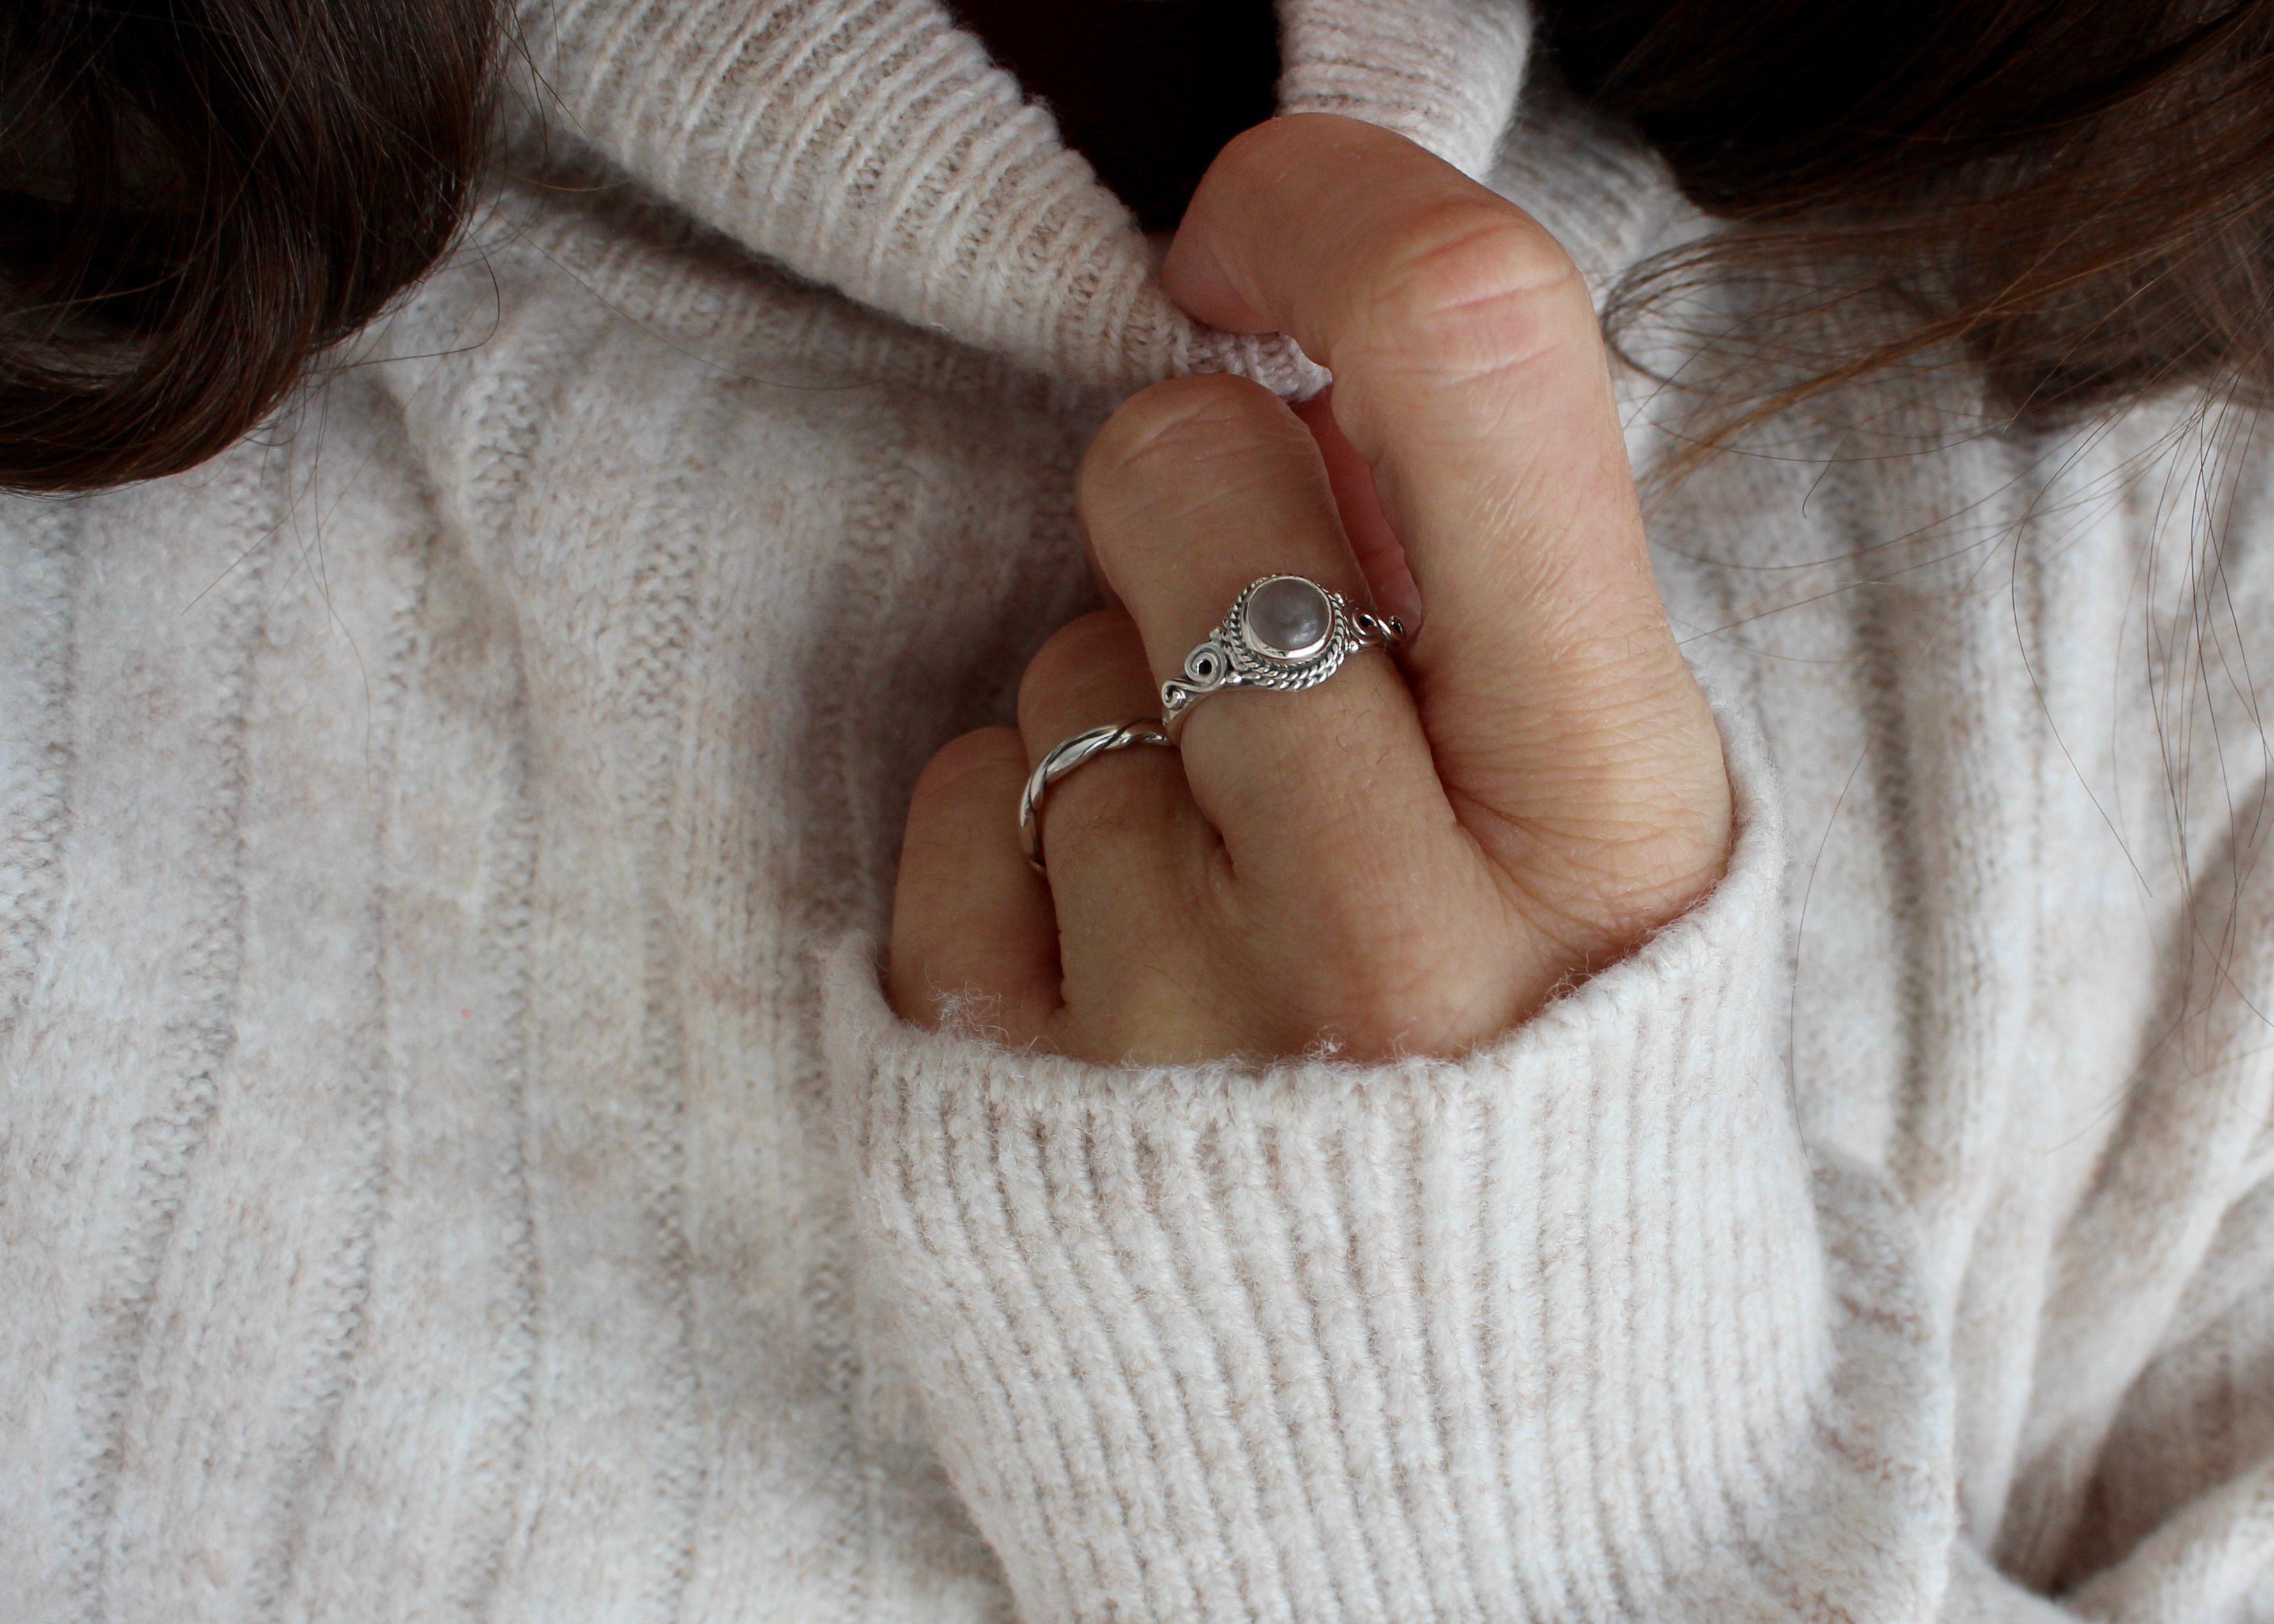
[{"x": 1571, "y": 1328}]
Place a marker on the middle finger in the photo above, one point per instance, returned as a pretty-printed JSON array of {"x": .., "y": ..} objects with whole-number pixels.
[{"x": 1195, "y": 489}]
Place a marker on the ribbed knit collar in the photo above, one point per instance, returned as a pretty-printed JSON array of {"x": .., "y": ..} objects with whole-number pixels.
[{"x": 873, "y": 146}]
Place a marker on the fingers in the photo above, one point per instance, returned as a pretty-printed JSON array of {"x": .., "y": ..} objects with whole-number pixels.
[
  {"x": 1167, "y": 953},
  {"x": 1113, "y": 826},
  {"x": 1195, "y": 489},
  {"x": 1380, "y": 553},
  {"x": 974, "y": 937},
  {"x": 1133, "y": 864},
  {"x": 1394, "y": 867},
  {"x": 1108, "y": 958},
  {"x": 1471, "y": 377}
]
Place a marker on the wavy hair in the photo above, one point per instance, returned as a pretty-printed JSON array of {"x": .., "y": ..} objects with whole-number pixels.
[{"x": 198, "y": 198}]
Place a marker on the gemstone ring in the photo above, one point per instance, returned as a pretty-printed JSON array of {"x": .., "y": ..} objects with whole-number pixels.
[{"x": 1283, "y": 632}]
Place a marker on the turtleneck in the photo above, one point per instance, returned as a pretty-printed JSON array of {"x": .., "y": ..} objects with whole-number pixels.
[
  {"x": 877, "y": 148},
  {"x": 1148, "y": 91},
  {"x": 456, "y": 1161}
]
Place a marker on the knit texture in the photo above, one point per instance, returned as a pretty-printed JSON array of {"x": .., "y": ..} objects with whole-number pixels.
[
  {"x": 876, "y": 148},
  {"x": 455, "y": 1162},
  {"x": 1505, "y": 1338}
]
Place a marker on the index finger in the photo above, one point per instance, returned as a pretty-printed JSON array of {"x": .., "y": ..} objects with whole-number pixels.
[{"x": 1470, "y": 375}]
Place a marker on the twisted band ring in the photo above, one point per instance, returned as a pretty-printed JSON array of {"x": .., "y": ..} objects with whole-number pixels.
[{"x": 1062, "y": 758}]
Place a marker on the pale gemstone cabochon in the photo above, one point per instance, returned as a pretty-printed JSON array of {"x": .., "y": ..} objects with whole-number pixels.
[{"x": 1288, "y": 619}]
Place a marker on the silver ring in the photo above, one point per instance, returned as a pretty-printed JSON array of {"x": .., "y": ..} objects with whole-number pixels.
[
  {"x": 1062, "y": 758},
  {"x": 1283, "y": 632}
]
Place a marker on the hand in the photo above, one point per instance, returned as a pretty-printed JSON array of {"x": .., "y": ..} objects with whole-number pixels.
[{"x": 1414, "y": 855}]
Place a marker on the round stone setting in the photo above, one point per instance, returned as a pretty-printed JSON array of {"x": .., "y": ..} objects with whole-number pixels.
[{"x": 1288, "y": 620}]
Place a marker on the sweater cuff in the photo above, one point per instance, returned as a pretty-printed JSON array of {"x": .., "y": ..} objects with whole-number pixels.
[{"x": 1543, "y": 1332}]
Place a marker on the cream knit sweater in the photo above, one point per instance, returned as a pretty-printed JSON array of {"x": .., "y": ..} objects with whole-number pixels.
[{"x": 455, "y": 1162}]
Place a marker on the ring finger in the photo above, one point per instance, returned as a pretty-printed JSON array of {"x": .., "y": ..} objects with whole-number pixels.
[{"x": 1130, "y": 857}]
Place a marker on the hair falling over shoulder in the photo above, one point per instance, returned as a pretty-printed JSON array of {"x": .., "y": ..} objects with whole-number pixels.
[
  {"x": 2079, "y": 192},
  {"x": 199, "y": 197}
]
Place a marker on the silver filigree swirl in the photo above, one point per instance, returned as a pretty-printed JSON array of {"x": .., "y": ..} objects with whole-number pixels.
[{"x": 1232, "y": 655}]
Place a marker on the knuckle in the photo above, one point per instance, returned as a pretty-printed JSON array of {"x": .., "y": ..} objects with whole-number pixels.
[
  {"x": 1479, "y": 285},
  {"x": 1168, "y": 430},
  {"x": 1098, "y": 650},
  {"x": 1079, "y": 646},
  {"x": 966, "y": 770}
]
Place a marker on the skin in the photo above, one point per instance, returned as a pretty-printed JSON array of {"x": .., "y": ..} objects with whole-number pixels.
[{"x": 1414, "y": 856}]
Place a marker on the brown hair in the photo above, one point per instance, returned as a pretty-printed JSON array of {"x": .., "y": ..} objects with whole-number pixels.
[
  {"x": 2078, "y": 192},
  {"x": 197, "y": 197}
]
